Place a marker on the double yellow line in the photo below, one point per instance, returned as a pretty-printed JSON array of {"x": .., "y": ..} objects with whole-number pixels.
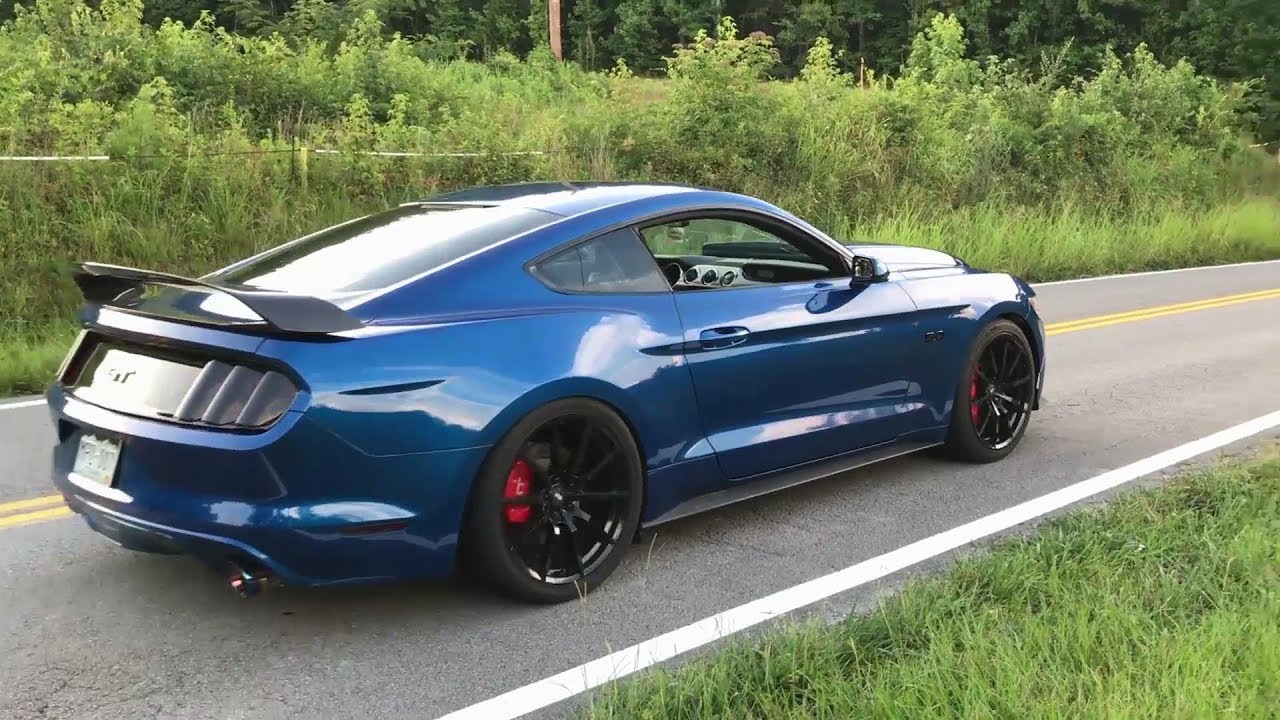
[
  {"x": 34, "y": 510},
  {"x": 1101, "y": 321},
  {"x": 50, "y": 507}
]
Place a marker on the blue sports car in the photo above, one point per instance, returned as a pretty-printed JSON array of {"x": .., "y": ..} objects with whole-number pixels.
[{"x": 515, "y": 380}]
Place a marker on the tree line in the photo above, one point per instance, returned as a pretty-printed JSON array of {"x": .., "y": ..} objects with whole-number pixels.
[{"x": 1234, "y": 40}]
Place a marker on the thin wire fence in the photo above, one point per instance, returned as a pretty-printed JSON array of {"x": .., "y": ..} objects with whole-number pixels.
[
  {"x": 305, "y": 151},
  {"x": 300, "y": 150}
]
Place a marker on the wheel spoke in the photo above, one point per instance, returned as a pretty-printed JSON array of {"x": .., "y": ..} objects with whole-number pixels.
[
  {"x": 556, "y": 444},
  {"x": 599, "y": 535},
  {"x": 982, "y": 427},
  {"x": 1020, "y": 381},
  {"x": 580, "y": 456},
  {"x": 993, "y": 363},
  {"x": 590, "y": 475},
  {"x": 533, "y": 528},
  {"x": 546, "y": 553},
  {"x": 573, "y": 543},
  {"x": 594, "y": 496},
  {"x": 1005, "y": 429}
]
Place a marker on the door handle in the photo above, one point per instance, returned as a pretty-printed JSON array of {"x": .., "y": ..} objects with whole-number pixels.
[{"x": 723, "y": 337}]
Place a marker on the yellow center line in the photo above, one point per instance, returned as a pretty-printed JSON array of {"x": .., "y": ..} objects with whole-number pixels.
[
  {"x": 1098, "y": 321},
  {"x": 39, "y": 502},
  {"x": 52, "y": 513},
  {"x": 52, "y": 507}
]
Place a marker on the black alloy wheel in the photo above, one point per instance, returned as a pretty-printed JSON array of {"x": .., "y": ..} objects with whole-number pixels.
[
  {"x": 993, "y": 401},
  {"x": 557, "y": 503}
]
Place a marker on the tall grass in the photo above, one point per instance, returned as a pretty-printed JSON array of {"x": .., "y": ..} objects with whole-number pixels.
[{"x": 1139, "y": 167}]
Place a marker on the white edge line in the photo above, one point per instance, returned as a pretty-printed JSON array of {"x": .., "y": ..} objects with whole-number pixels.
[
  {"x": 21, "y": 404},
  {"x": 1154, "y": 272},
  {"x": 569, "y": 683},
  {"x": 31, "y": 403}
]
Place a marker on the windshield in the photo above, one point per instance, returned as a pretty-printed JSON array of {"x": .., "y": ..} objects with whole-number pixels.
[{"x": 383, "y": 249}]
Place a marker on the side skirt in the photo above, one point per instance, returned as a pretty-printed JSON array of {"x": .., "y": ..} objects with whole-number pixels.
[{"x": 787, "y": 477}]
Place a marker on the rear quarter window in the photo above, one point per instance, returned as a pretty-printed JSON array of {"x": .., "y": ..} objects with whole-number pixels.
[
  {"x": 383, "y": 249},
  {"x": 616, "y": 262}
]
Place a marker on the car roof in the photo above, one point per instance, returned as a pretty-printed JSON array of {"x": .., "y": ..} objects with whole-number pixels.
[{"x": 561, "y": 198}]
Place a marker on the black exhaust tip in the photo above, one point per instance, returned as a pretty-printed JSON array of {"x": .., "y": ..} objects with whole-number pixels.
[{"x": 247, "y": 584}]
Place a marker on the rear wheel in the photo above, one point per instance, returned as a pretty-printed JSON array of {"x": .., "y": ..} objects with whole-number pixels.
[
  {"x": 993, "y": 399},
  {"x": 557, "y": 503}
]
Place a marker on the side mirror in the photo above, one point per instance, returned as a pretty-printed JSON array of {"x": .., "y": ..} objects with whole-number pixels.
[{"x": 868, "y": 270}]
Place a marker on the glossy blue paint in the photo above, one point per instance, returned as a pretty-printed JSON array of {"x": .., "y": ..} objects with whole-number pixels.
[
  {"x": 393, "y": 420},
  {"x": 841, "y": 371}
]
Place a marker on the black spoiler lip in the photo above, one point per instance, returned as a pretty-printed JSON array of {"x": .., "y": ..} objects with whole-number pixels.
[{"x": 282, "y": 312}]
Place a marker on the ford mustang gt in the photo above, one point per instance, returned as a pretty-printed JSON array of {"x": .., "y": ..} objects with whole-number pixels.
[{"x": 515, "y": 380}]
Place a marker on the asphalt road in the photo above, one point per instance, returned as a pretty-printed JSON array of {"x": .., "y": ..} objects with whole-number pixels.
[{"x": 88, "y": 630}]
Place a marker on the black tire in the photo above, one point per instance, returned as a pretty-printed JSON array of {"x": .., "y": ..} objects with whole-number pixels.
[
  {"x": 501, "y": 552},
  {"x": 970, "y": 434}
]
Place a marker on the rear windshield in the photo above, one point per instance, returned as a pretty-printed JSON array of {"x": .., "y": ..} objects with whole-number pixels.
[{"x": 383, "y": 249}]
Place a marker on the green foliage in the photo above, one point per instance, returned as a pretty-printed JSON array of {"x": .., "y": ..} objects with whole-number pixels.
[
  {"x": 983, "y": 157},
  {"x": 1232, "y": 40}
]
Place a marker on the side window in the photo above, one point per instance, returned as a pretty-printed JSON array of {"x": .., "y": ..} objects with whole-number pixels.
[
  {"x": 696, "y": 235},
  {"x": 719, "y": 252},
  {"x": 616, "y": 262}
]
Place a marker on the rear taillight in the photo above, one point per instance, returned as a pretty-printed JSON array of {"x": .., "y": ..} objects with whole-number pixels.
[
  {"x": 235, "y": 395},
  {"x": 176, "y": 384}
]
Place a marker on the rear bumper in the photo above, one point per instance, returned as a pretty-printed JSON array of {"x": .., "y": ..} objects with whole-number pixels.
[{"x": 296, "y": 502}]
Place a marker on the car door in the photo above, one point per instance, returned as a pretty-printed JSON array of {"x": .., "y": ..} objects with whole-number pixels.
[{"x": 788, "y": 371}]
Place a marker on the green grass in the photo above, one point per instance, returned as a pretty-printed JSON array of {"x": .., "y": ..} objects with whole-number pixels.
[
  {"x": 1164, "y": 603},
  {"x": 1041, "y": 245}
]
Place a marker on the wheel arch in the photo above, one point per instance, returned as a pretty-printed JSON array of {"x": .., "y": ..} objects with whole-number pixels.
[{"x": 1025, "y": 327}]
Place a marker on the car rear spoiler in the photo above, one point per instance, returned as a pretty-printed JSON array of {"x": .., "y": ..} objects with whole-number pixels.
[{"x": 282, "y": 312}]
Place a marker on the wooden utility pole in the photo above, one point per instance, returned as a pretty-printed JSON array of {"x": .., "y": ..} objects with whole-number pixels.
[{"x": 553, "y": 17}]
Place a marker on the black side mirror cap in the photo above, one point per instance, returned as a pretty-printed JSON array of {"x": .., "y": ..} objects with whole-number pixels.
[{"x": 868, "y": 269}]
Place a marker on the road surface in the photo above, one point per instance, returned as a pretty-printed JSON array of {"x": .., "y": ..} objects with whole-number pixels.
[{"x": 88, "y": 630}]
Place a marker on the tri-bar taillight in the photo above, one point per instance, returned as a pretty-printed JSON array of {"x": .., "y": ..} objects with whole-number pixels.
[
  {"x": 177, "y": 385},
  {"x": 225, "y": 394}
]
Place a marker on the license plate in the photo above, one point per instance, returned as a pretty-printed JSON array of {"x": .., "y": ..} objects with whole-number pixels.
[{"x": 96, "y": 459}]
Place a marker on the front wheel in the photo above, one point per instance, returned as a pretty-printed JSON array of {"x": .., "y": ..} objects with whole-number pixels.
[
  {"x": 993, "y": 399},
  {"x": 557, "y": 503}
]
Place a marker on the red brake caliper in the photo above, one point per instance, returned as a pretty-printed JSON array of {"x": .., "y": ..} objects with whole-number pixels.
[
  {"x": 519, "y": 480},
  {"x": 973, "y": 396}
]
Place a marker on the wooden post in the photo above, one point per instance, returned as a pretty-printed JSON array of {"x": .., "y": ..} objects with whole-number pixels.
[
  {"x": 553, "y": 17},
  {"x": 302, "y": 165}
]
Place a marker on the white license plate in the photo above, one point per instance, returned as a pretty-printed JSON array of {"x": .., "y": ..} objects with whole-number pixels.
[{"x": 96, "y": 459}]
